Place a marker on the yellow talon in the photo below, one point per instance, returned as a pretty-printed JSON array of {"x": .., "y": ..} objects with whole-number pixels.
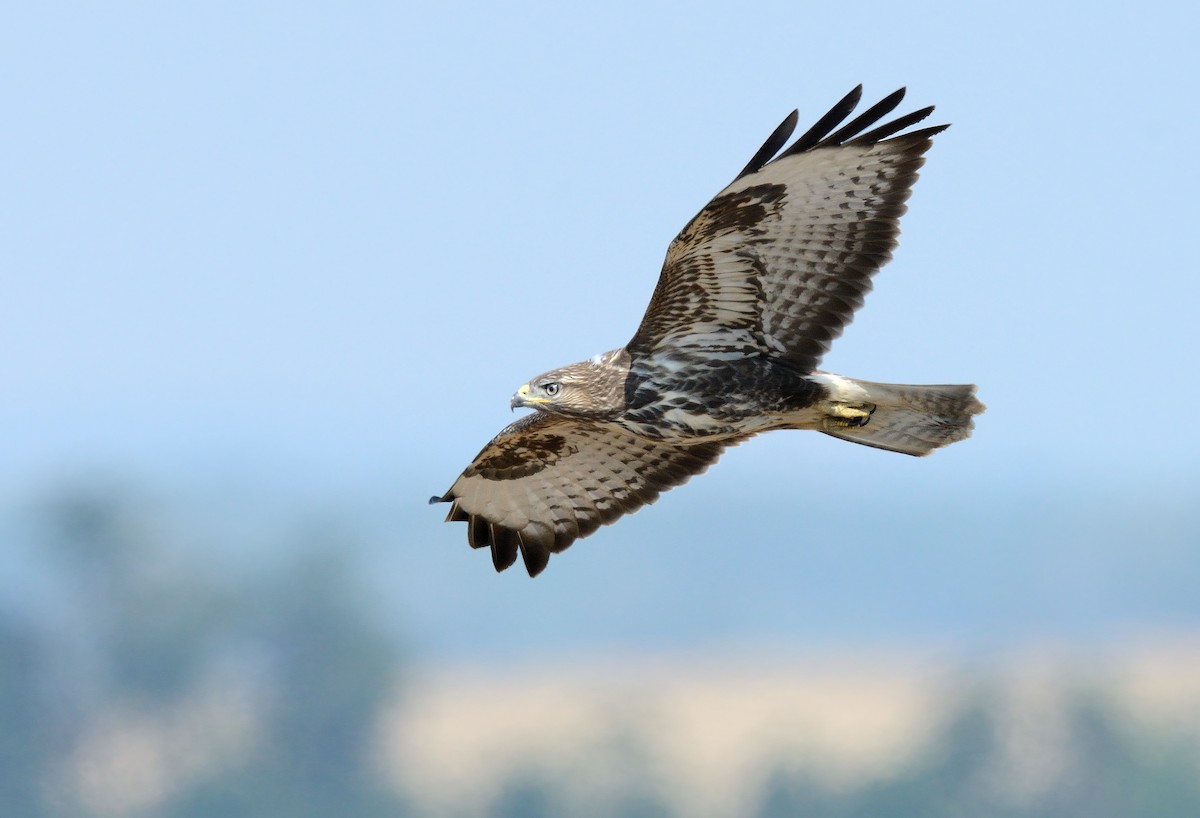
[{"x": 846, "y": 415}]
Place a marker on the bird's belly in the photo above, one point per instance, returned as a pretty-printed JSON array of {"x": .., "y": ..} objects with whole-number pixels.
[{"x": 687, "y": 424}]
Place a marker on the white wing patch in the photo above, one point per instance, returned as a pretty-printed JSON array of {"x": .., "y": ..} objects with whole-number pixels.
[{"x": 841, "y": 389}]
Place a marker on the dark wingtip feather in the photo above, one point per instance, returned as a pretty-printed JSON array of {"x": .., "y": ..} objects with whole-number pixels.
[
  {"x": 814, "y": 135},
  {"x": 867, "y": 118},
  {"x": 457, "y": 515},
  {"x": 436, "y": 499},
  {"x": 893, "y": 127},
  {"x": 504, "y": 546},
  {"x": 536, "y": 556},
  {"x": 477, "y": 532},
  {"x": 503, "y": 556},
  {"x": 925, "y": 133},
  {"x": 775, "y": 141},
  {"x": 823, "y": 135}
]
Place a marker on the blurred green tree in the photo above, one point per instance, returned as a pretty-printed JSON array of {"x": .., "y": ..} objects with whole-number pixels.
[
  {"x": 144, "y": 621},
  {"x": 25, "y": 746}
]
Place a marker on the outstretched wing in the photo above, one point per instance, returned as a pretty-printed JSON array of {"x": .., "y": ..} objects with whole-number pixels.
[
  {"x": 779, "y": 261},
  {"x": 546, "y": 480}
]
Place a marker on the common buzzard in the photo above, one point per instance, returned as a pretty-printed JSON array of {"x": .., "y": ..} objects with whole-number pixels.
[{"x": 751, "y": 294}]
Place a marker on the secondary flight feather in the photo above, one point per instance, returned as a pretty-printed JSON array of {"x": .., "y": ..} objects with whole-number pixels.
[{"x": 753, "y": 291}]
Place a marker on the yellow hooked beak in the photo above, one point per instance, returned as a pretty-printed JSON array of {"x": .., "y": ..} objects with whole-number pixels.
[{"x": 524, "y": 398}]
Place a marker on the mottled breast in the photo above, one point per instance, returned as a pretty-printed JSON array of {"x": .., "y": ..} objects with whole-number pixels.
[{"x": 691, "y": 401}]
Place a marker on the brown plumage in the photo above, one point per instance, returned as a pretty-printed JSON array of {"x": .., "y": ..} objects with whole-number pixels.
[{"x": 753, "y": 291}]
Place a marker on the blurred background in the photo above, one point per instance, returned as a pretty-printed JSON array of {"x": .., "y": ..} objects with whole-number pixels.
[{"x": 271, "y": 273}]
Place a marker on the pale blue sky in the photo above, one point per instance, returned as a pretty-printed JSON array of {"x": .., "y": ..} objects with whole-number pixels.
[{"x": 309, "y": 250}]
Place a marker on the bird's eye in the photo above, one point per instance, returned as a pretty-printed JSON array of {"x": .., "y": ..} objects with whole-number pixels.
[{"x": 550, "y": 388}]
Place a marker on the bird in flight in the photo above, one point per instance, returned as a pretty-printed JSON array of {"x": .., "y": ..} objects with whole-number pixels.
[{"x": 753, "y": 291}]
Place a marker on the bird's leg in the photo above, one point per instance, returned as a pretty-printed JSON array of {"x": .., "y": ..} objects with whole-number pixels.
[{"x": 843, "y": 415}]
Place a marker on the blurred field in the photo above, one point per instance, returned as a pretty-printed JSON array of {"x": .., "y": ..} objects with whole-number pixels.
[
  {"x": 141, "y": 678},
  {"x": 884, "y": 733}
]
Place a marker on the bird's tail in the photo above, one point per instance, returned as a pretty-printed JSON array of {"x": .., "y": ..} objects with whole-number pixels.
[{"x": 904, "y": 418}]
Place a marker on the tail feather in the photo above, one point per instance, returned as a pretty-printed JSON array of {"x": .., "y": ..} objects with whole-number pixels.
[{"x": 912, "y": 419}]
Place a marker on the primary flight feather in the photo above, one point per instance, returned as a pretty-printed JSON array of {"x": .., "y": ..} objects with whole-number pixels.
[{"x": 753, "y": 291}]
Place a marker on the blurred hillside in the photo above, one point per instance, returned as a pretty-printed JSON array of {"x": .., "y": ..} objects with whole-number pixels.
[
  {"x": 144, "y": 673},
  {"x": 890, "y": 733}
]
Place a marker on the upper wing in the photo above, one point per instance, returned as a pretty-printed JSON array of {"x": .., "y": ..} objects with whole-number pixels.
[
  {"x": 547, "y": 480},
  {"x": 779, "y": 261}
]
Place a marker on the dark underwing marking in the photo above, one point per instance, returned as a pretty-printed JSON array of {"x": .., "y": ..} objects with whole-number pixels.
[
  {"x": 740, "y": 210},
  {"x": 529, "y": 455}
]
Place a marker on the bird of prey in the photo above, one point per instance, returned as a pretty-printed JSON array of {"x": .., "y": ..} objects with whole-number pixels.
[{"x": 751, "y": 294}]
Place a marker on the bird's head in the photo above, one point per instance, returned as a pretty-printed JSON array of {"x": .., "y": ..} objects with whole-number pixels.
[
  {"x": 559, "y": 391},
  {"x": 587, "y": 389}
]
